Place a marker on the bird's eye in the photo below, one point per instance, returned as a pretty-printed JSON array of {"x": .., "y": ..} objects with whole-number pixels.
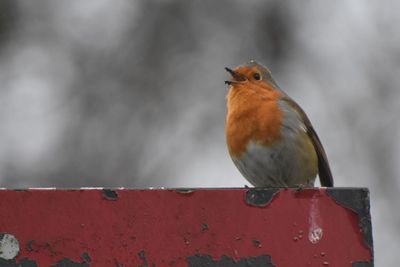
[{"x": 257, "y": 76}]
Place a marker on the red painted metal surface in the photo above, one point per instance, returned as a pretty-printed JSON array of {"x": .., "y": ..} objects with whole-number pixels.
[{"x": 181, "y": 228}]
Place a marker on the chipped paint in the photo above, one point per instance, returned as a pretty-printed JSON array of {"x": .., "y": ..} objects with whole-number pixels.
[
  {"x": 117, "y": 263},
  {"x": 362, "y": 264},
  {"x": 94, "y": 188},
  {"x": 9, "y": 246},
  {"x": 29, "y": 245},
  {"x": 257, "y": 243},
  {"x": 23, "y": 263},
  {"x": 211, "y": 227},
  {"x": 68, "y": 263},
  {"x": 356, "y": 200},
  {"x": 204, "y": 227},
  {"x": 31, "y": 263},
  {"x": 110, "y": 194},
  {"x": 85, "y": 257},
  {"x": 42, "y": 188},
  {"x": 260, "y": 197},
  {"x": 207, "y": 260},
  {"x": 185, "y": 191},
  {"x": 142, "y": 256}
]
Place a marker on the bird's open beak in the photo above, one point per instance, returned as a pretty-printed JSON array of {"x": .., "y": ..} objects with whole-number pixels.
[{"x": 237, "y": 77}]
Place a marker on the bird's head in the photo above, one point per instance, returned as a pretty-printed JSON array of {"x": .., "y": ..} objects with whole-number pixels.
[{"x": 250, "y": 74}]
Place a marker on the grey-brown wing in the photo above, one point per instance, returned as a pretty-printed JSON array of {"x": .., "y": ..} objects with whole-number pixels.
[{"x": 324, "y": 171}]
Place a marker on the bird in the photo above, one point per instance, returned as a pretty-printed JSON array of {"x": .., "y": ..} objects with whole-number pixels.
[{"x": 269, "y": 137}]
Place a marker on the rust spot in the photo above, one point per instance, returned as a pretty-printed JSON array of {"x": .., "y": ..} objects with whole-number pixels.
[
  {"x": 110, "y": 194},
  {"x": 207, "y": 260},
  {"x": 260, "y": 197}
]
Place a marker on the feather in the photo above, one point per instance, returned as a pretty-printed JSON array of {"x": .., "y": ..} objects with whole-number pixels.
[{"x": 324, "y": 171}]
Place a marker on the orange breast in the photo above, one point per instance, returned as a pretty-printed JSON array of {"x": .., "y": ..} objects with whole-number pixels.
[{"x": 253, "y": 115}]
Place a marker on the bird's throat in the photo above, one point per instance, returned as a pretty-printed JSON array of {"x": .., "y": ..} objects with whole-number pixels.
[{"x": 252, "y": 116}]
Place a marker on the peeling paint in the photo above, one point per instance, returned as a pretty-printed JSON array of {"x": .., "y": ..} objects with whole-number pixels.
[
  {"x": 198, "y": 234},
  {"x": 257, "y": 243},
  {"x": 207, "y": 261},
  {"x": 33, "y": 246},
  {"x": 260, "y": 197},
  {"x": 204, "y": 227},
  {"x": 362, "y": 264},
  {"x": 23, "y": 263},
  {"x": 185, "y": 191},
  {"x": 142, "y": 256},
  {"x": 110, "y": 194},
  {"x": 356, "y": 200},
  {"x": 85, "y": 257},
  {"x": 117, "y": 263},
  {"x": 29, "y": 246},
  {"x": 9, "y": 246},
  {"x": 68, "y": 263}
]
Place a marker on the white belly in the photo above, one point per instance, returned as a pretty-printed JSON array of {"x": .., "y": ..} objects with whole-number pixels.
[{"x": 287, "y": 163}]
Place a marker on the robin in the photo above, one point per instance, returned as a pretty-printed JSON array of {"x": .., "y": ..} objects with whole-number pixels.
[{"x": 269, "y": 137}]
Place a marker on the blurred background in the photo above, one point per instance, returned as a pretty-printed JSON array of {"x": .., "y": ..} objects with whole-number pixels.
[{"x": 131, "y": 93}]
